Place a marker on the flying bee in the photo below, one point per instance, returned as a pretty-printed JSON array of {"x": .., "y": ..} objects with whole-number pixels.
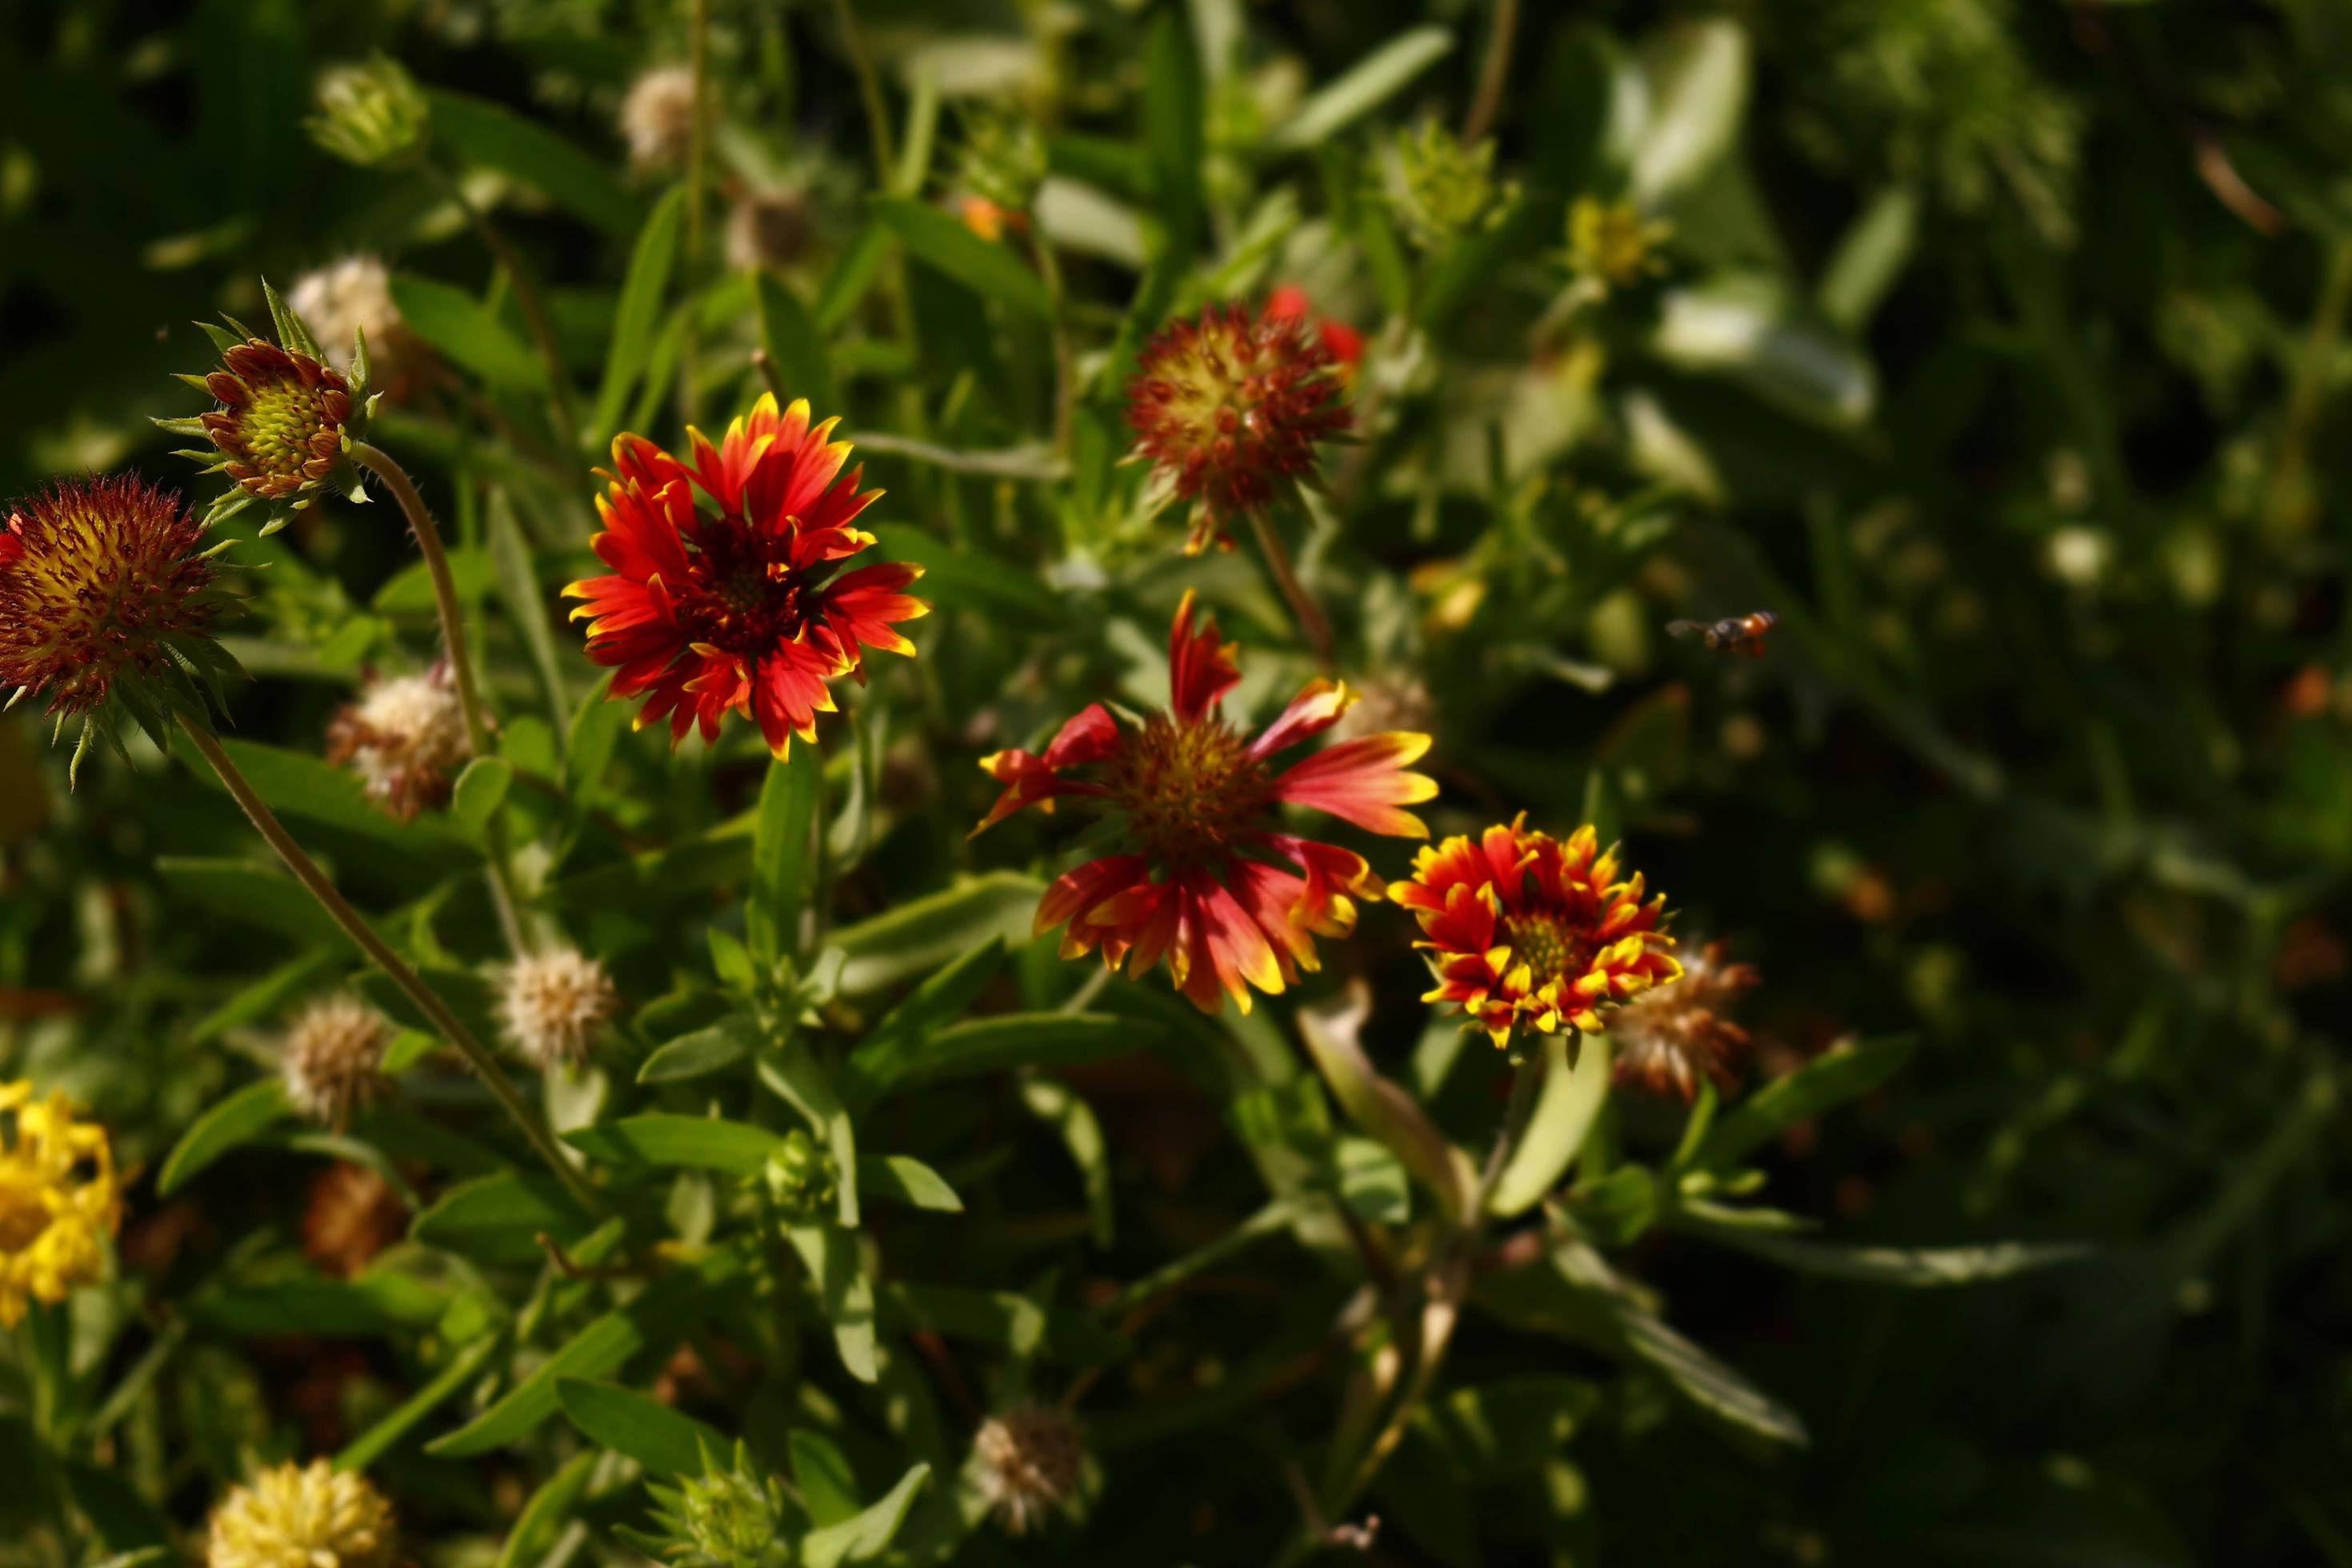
[{"x": 1739, "y": 633}]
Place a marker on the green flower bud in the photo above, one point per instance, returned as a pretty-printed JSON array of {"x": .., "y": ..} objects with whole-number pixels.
[
  {"x": 371, "y": 114},
  {"x": 800, "y": 1178},
  {"x": 1003, "y": 159},
  {"x": 729, "y": 1516},
  {"x": 1443, "y": 190}
]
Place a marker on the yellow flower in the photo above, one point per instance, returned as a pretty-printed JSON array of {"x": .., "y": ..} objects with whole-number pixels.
[
  {"x": 59, "y": 1201},
  {"x": 294, "y": 1516},
  {"x": 1613, "y": 243}
]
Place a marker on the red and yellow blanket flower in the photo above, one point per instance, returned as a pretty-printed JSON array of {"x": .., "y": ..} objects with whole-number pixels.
[
  {"x": 1526, "y": 930},
  {"x": 726, "y": 593},
  {"x": 1204, "y": 875}
]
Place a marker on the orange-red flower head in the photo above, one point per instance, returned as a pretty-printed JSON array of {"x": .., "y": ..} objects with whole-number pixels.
[
  {"x": 1204, "y": 875},
  {"x": 1526, "y": 930},
  {"x": 1672, "y": 1033},
  {"x": 105, "y": 592},
  {"x": 1229, "y": 409},
  {"x": 726, "y": 593}
]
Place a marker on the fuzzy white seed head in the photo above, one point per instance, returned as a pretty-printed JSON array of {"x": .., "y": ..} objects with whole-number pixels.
[
  {"x": 333, "y": 1060},
  {"x": 658, "y": 118},
  {"x": 1030, "y": 1459},
  {"x": 553, "y": 1003},
  {"x": 405, "y": 738},
  {"x": 352, "y": 296}
]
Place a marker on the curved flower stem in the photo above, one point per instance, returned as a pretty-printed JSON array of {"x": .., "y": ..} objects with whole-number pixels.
[
  {"x": 379, "y": 462},
  {"x": 1286, "y": 576},
  {"x": 477, "y": 1055},
  {"x": 1492, "y": 72},
  {"x": 697, "y": 158},
  {"x": 534, "y": 312}
]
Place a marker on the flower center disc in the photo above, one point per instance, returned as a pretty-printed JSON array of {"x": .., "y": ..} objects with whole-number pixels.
[
  {"x": 743, "y": 601},
  {"x": 1189, "y": 790},
  {"x": 1545, "y": 946},
  {"x": 279, "y": 423}
]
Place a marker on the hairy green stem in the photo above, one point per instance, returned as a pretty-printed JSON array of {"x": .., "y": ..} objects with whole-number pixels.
[
  {"x": 1310, "y": 616},
  {"x": 412, "y": 985}
]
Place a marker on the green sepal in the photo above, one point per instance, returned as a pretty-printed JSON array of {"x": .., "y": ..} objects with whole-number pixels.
[
  {"x": 220, "y": 338},
  {"x": 291, "y": 333},
  {"x": 359, "y": 361}
]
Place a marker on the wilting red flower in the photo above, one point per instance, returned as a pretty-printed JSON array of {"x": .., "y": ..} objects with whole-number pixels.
[
  {"x": 1524, "y": 931},
  {"x": 1230, "y": 409},
  {"x": 724, "y": 595},
  {"x": 99, "y": 578},
  {"x": 1288, "y": 302},
  {"x": 1206, "y": 878},
  {"x": 1672, "y": 1032}
]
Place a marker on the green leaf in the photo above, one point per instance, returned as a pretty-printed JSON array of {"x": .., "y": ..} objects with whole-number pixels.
[
  {"x": 853, "y": 275},
  {"x": 304, "y": 788},
  {"x": 1751, "y": 329},
  {"x": 596, "y": 727},
  {"x": 499, "y": 1218},
  {"x": 1371, "y": 1181},
  {"x": 409, "y": 591},
  {"x": 663, "y": 1441},
  {"x": 525, "y": 602},
  {"x": 909, "y": 1181},
  {"x": 1377, "y": 1106},
  {"x": 496, "y": 138},
  {"x": 923, "y": 933},
  {"x": 938, "y": 241},
  {"x": 638, "y": 314},
  {"x": 882, "y": 1056},
  {"x": 691, "y": 1143},
  {"x": 384, "y": 1302},
  {"x": 228, "y": 1124},
  {"x": 455, "y": 323},
  {"x": 783, "y": 858},
  {"x": 957, "y": 579},
  {"x": 828, "y": 1486},
  {"x": 1827, "y": 1080},
  {"x": 1362, "y": 88},
  {"x": 1698, "y": 77},
  {"x": 481, "y": 789},
  {"x": 1173, "y": 127},
  {"x": 535, "y": 1528},
  {"x": 1915, "y": 1266},
  {"x": 252, "y": 896},
  {"x": 1025, "y": 1041},
  {"x": 654, "y": 1319},
  {"x": 1565, "y": 1110},
  {"x": 794, "y": 341},
  {"x": 378, "y": 1439},
  {"x": 869, "y": 1533},
  {"x": 1062, "y": 1108},
  {"x": 1869, "y": 259},
  {"x": 701, "y": 1053},
  {"x": 845, "y": 1292}
]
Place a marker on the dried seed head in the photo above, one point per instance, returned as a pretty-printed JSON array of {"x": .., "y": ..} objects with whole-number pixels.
[
  {"x": 405, "y": 738},
  {"x": 1669, "y": 1035},
  {"x": 552, "y": 1006},
  {"x": 352, "y": 298},
  {"x": 333, "y": 1060},
  {"x": 768, "y": 228},
  {"x": 353, "y": 1214},
  {"x": 658, "y": 118},
  {"x": 1030, "y": 1460},
  {"x": 294, "y": 1516}
]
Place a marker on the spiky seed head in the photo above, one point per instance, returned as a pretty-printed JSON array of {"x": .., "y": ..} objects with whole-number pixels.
[
  {"x": 371, "y": 114},
  {"x": 333, "y": 1060},
  {"x": 552, "y": 1006},
  {"x": 302, "y": 1516}
]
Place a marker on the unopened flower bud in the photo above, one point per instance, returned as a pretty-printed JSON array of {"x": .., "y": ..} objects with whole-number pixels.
[{"x": 371, "y": 114}]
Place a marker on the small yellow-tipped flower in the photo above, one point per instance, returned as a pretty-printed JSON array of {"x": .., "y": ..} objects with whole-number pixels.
[
  {"x": 333, "y": 1061},
  {"x": 371, "y": 114},
  {"x": 1613, "y": 245},
  {"x": 551, "y": 1006},
  {"x": 59, "y": 1201},
  {"x": 287, "y": 418},
  {"x": 298, "y": 1516},
  {"x": 1030, "y": 1461},
  {"x": 658, "y": 118},
  {"x": 105, "y": 592},
  {"x": 405, "y": 738}
]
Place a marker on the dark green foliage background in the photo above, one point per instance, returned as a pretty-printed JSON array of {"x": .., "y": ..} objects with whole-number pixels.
[{"x": 2034, "y": 442}]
